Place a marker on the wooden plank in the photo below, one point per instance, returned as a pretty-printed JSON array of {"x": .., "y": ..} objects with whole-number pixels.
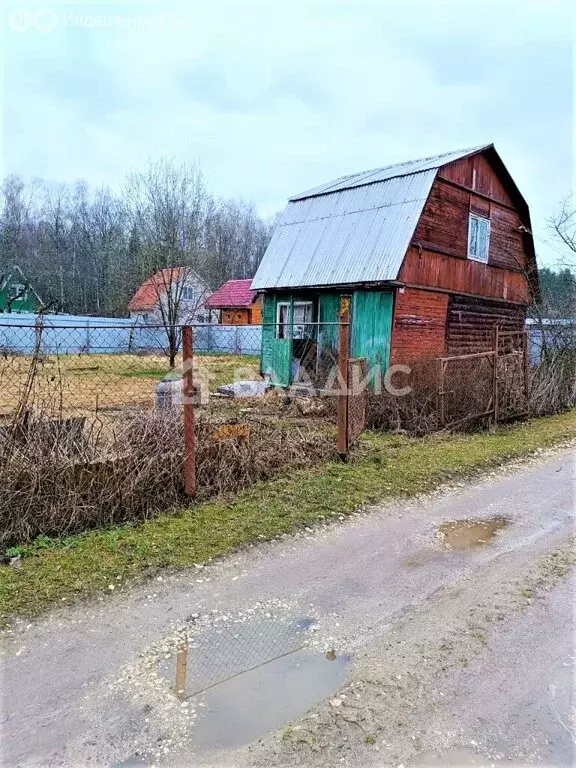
[
  {"x": 231, "y": 432},
  {"x": 467, "y": 357},
  {"x": 181, "y": 667}
]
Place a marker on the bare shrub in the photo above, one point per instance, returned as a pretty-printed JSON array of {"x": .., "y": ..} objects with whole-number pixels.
[
  {"x": 553, "y": 383},
  {"x": 416, "y": 412},
  {"x": 460, "y": 398},
  {"x": 58, "y": 481}
]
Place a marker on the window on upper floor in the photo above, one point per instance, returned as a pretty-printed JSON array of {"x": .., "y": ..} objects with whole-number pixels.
[
  {"x": 18, "y": 291},
  {"x": 188, "y": 293},
  {"x": 478, "y": 238}
]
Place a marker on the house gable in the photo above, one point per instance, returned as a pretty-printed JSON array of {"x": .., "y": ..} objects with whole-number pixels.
[
  {"x": 438, "y": 253},
  {"x": 360, "y": 229},
  {"x": 16, "y": 293},
  {"x": 192, "y": 291}
]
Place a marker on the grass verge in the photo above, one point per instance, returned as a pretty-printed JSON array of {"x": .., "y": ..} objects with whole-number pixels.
[{"x": 387, "y": 466}]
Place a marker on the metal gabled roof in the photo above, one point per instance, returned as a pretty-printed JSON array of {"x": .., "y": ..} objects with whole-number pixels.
[
  {"x": 355, "y": 229},
  {"x": 390, "y": 171},
  {"x": 356, "y": 235}
]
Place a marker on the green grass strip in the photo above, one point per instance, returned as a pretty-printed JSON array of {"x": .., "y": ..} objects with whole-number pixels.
[{"x": 387, "y": 466}]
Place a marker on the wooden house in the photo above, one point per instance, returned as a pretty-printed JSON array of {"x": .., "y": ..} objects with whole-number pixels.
[
  {"x": 237, "y": 303},
  {"x": 17, "y": 294},
  {"x": 434, "y": 253},
  {"x": 177, "y": 293}
]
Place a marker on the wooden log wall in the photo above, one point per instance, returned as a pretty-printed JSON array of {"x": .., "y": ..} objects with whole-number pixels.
[{"x": 471, "y": 322}]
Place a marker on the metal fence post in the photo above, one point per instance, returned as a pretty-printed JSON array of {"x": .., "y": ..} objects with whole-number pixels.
[
  {"x": 343, "y": 356},
  {"x": 526, "y": 366},
  {"x": 189, "y": 426},
  {"x": 441, "y": 393},
  {"x": 495, "y": 393}
]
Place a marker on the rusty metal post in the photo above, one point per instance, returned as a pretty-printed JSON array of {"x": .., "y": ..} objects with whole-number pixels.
[
  {"x": 526, "y": 361},
  {"x": 181, "y": 668},
  {"x": 441, "y": 393},
  {"x": 343, "y": 358},
  {"x": 189, "y": 418},
  {"x": 495, "y": 394}
]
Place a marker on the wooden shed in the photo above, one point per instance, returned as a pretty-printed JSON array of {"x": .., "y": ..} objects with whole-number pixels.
[
  {"x": 434, "y": 253},
  {"x": 237, "y": 303}
]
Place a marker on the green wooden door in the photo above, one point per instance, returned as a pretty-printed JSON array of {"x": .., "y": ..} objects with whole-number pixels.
[
  {"x": 329, "y": 313},
  {"x": 372, "y": 328},
  {"x": 277, "y": 340}
]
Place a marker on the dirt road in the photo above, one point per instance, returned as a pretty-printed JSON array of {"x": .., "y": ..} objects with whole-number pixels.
[{"x": 443, "y": 656}]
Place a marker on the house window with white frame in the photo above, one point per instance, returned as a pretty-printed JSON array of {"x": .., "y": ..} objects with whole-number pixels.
[
  {"x": 301, "y": 318},
  {"x": 283, "y": 320},
  {"x": 188, "y": 293},
  {"x": 478, "y": 237}
]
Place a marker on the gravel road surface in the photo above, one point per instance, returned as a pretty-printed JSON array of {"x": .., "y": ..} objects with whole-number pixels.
[{"x": 449, "y": 656}]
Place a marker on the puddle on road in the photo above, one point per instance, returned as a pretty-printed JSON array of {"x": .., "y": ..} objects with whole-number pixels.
[
  {"x": 468, "y": 534},
  {"x": 246, "y": 679},
  {"x": 247, "y": 707}
]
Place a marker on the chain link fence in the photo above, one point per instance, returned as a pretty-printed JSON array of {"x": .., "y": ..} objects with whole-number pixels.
[
  {"x": 97, "y": 427},
  {"x": 224, "y": 652},
  {"x": 104, "y": 424}
]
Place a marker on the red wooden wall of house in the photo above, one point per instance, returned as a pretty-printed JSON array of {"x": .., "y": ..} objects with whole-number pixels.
[
  {"x": 451, "y": 303},
  {"x": 243, "y": 315}
]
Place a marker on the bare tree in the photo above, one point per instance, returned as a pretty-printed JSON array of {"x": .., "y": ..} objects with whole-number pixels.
[
  {"x": 167, "y": 203},
  {"x": 563, "y": 225},
  {"x": 87, "y": 251},
  {"x": 236, "y": 239}
]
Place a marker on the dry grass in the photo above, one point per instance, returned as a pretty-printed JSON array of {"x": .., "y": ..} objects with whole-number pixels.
[
  {"x": 86, "y": 383},
  {"x": 60, "y": 477},
  {"x": 553, "y": 383},
  {"x": 466, "y": 400},
  {"x": 83, "y": 445},
  {"x": 387, "y": 466}
]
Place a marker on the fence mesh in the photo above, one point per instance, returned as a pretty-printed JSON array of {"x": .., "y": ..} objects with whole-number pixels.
[
  {"x": 92, "y": 429},
  {"x": 221, "y": 653},
  {"x": 357, "y": 398},
  {"x": 466, "y": 388},
  {"x": 92, "y": 419}
]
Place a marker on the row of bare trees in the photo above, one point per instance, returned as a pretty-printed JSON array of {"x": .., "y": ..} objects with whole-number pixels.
[{"x": 85, "y": 251}]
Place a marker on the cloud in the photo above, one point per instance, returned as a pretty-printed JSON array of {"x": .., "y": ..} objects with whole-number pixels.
[{"x": 272, "y": 98}]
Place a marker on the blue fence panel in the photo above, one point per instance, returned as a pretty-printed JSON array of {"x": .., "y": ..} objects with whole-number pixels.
[
  {"x": 106, "y": 335},
  {"x": 228, "y": 339},
  {"x": 552, "y": 335},
  {"x": 149, "y": 339},
  {"x": 17, "y": 340},
  {"x": 89, "y": 335}
]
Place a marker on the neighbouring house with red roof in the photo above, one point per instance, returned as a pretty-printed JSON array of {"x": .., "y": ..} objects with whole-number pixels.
[
  {"x": 174, "y": 295},
  {"x": 237, "y": 303}
]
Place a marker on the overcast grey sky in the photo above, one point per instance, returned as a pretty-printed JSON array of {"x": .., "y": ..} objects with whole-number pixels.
[{"x": 271, "y": 98}]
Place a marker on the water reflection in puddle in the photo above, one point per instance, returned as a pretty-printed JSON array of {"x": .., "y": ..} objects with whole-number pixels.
[
  {"x": 245, "y": 708},
  {"x": 248, "y": 678},
  {"x": 468, "y": 534}
]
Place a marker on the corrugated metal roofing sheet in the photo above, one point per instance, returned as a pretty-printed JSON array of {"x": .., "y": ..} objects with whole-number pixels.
[
  {"x": 352, "y": 230},
  {"x": 354, "y": 236},
  {"x": 390, "y": 171}
]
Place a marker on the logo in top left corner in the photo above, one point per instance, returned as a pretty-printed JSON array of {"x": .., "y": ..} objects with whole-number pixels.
[{"x": 28, "y": 19}]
